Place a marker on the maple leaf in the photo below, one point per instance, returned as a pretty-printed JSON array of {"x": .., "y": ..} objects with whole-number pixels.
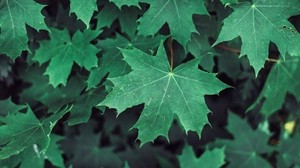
[
  {"x": 210, "y": 159},
  {"x": 112, "y": 61},
  {"x": 31, "y": 157},
  {"x": 199, "y": 44},
  {"x": 121, "y": 3},
  {"x": 62, "y": 51},
  {"x": 177, "y": 13},
  {"x": 55, "y": 98},
  {"x": 90, "y": 154},
  {"x": 289, "y": 151},
  {"x": 82, "y": 108},
  {"x": 14, "y": 15},
  {"x": 127, "y": 17},
  {"x": 8, "y": 106},
  {"x": 166, "y": 93},
  {"x": 41, "y": 91},
  {"x": 27, "y": 132},
  {"x": 84, "y": 9},
  {"x": 246, "y": 148},
  {"x": 283, "y": 78},
  {"x": 260, "y": 23}
]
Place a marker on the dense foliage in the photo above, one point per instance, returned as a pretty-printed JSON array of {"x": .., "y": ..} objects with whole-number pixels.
[{"x": 149, "y": 83}]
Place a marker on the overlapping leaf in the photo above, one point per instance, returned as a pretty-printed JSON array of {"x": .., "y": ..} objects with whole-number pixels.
[
  {"x": 112, "y": 61},
  {"x": 84, "y": 9},
  {"x": 127, "y": 17},
  {"x": 31, "y": 157},
  {"x": 259, "y": 23},
  {"x": 62, "y": 51},
  {"x": 248, "y": 145},
  {"x": 22, "y": 130},
  {"x": 283, "y": 79},
  {"x": 210, "y": 159},
  {"x": 55, "y": 98},
  {"x": 177, "y": 13},
  {"x": 14, "y": 15},
  {"x": 87, "y": 152},
  {"x": 166, "y": 93},
  {"x": 121, "y": 3},
  {"x": 289, "y": 151}
]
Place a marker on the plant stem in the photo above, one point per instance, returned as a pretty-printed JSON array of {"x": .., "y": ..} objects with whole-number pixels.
[
  {"x": 229, "y": 49},
  {"x": 171, "y": 54},
  {"x": 272, "y": 60},
  {"x": 236, "y": 51}
]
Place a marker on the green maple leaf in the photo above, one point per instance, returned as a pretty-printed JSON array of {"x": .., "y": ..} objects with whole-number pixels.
[
  {"x": 177, "y": 13},
  {"x": 90, "y": 154},
  {"x": 12, "y": 161},
  {"x": 166, "y": 93},
  {"x": 107, "y": 15},
  {"x": 62, "y": 52},
  {"x": 289, "y": 151},
  {"x": 127, "y": 17},
  {"x": 14, "y": 15},
  {"x": 112, "y": 60},
  {"x": 82, "y": 106},
  {"x": 8, "y": 106},
  {"x": 199, "y": 44},
  {"x": 55, "y": 98},
  {"x": 41, "y": 91},
  {"x": 210, "y": 159},
  {"x": 84, "y": 9},
  {"x": 283, "y": 74},
  {"x": 22, "y": 130},
  {"x": 246, "y": 148},
  {"x": 31, "y": 157},
  {"x": 260, "y": 23},
  {"x": 121, "y": 3}
]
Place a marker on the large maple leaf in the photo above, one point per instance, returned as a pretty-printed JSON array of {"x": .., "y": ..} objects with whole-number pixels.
[
  {"x": 167, "y": 93},
  {"x": 260, "y": 23},
  {"x": 177, "y": 13},
  {"x": 14, "y": 15}
]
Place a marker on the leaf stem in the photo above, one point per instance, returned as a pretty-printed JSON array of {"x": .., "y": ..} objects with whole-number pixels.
[
  {"x": 171, "y": 53},
  {"x": 236, "y": 51},
  {"x": 272, "y": 60},
  {"x": 229, "y": 49}
]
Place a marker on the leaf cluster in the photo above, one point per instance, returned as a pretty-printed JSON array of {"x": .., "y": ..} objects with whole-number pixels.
[{"x": 143, "y": 83}]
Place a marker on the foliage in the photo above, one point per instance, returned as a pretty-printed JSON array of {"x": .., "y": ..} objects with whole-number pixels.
[{"x": 143, "y": 83}]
